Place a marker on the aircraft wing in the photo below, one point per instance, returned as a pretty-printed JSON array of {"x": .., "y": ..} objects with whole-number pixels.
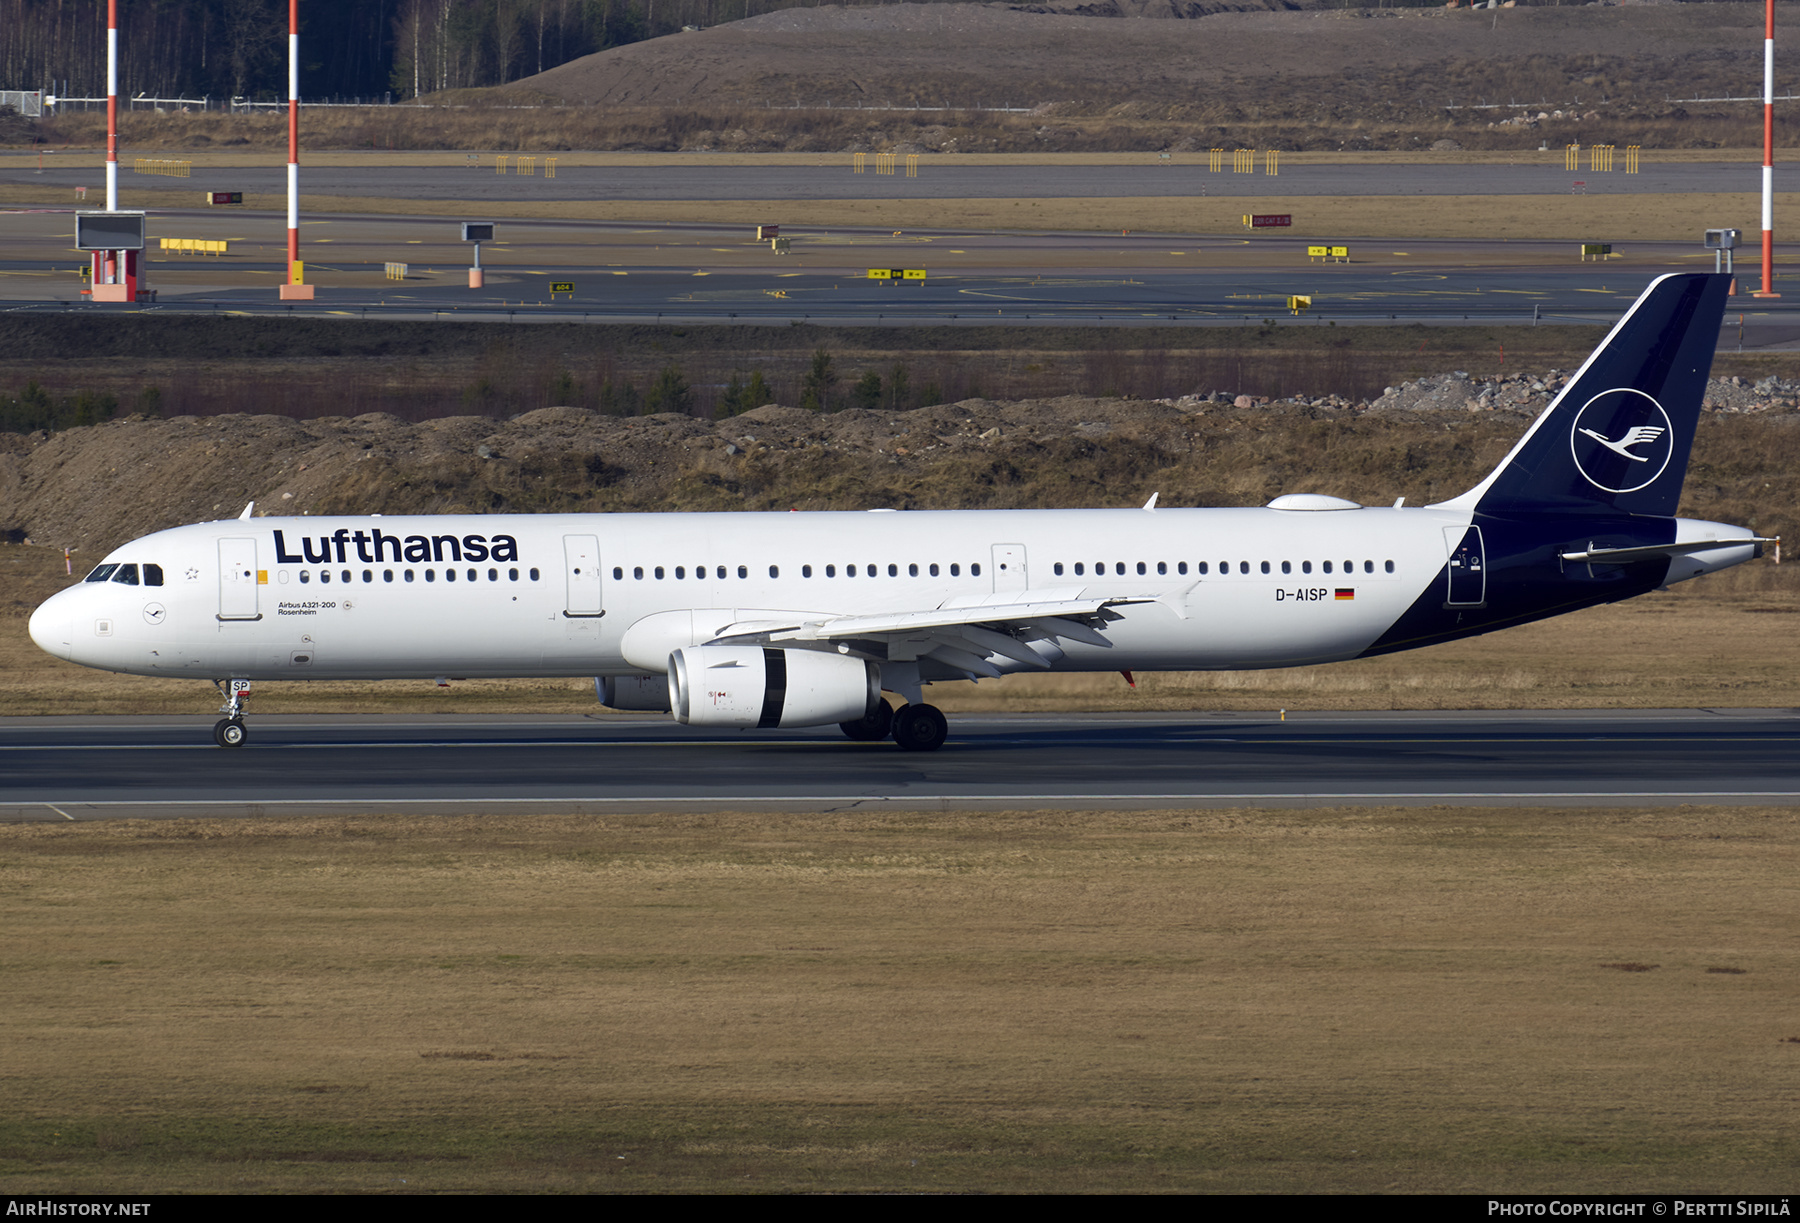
[{"x": 961, "y": 636}]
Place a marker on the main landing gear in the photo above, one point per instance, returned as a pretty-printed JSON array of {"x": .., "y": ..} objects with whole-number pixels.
[
  {"x": 915, "y": 728},
  {"x": 229, "y": 730}
]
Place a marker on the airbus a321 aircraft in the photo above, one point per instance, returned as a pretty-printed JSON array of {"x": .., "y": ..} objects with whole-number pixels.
[{"x": 766, "y": 620}]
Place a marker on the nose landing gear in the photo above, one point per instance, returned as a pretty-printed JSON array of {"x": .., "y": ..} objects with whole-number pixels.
[{"x": 229, "y": 731}]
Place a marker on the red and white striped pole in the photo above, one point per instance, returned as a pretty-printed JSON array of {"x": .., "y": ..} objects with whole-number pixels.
[
  {"x": 294, "y": 141},
  {"x": 1768, "y": 175},
  {"x": 112, "y": 105},
  {"x": 295, "y": 287}
]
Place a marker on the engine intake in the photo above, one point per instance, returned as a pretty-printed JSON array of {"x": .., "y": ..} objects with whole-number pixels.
[{"x": 717, "y": 685}]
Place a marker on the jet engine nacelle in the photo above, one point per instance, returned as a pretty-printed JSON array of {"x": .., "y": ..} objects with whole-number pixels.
[
  {"x": 718, "y": 685},
  {"x": 634, "y": 692}
]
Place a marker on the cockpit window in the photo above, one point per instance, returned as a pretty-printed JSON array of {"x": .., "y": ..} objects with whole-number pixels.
[
  {"x": 126, "y": 576},
  {"x": 153, "y": 575},
  {"x": 101, "y": 573}
]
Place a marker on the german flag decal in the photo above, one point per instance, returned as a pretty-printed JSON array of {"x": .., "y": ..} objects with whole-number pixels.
[{"x": 1346, "y": 593}]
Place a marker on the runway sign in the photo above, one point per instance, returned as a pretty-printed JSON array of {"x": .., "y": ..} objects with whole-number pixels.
[
  {"x": 224, "y": 197},
  {"x": 1268, "y": 220},
  {"x": 109, "y": 231},
  {"x": 562, "y": 286}
]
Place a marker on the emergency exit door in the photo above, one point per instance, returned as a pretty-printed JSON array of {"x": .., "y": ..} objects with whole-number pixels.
[{"x": 581, "y": 576}]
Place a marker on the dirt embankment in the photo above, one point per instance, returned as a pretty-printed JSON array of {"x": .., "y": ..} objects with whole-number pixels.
[
  {"x": 1333, "y": 78},
  {"x": 95, "y": 487},
  {"x": 1072, "y": 76}
]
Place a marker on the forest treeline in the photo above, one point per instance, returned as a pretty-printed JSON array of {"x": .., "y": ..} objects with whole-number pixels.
[{"x": 350, "y": 48}]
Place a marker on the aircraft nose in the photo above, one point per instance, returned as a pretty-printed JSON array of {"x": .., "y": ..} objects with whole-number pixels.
[{"x": 53, "y": 626}]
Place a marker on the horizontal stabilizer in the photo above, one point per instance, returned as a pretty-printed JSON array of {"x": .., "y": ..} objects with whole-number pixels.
[{"x": 1624, "y": 556}]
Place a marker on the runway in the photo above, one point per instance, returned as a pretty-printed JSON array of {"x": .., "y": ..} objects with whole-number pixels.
[{"x": 62, "y": 769}]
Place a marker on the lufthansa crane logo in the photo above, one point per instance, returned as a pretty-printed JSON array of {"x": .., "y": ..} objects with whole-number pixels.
[{"x": 1621, "y": 440}]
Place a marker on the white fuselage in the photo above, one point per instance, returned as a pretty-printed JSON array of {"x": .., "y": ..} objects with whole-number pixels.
[{"x": 599, "y": 594}]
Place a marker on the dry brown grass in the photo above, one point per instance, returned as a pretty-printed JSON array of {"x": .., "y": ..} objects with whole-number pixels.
[
  {"x": 1067, "y": 128},
  {"x": 1616, "y": 218},
  {"x": 1356, "y": 1000}
]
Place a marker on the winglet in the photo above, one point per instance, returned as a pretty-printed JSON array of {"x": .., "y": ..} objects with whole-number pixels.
[
  {"x": 248, "y": 510},
  {"x": 1151, "y": 504}
]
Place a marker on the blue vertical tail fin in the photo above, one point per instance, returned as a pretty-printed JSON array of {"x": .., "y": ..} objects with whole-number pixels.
[{"x": 1616, "y": 440}]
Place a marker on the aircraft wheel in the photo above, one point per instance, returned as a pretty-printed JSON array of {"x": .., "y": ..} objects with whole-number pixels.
[
  {"x": 874, "y": 727},
  {"x": 229, "y": 732},
  {"x": 920, "y": 728}
]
